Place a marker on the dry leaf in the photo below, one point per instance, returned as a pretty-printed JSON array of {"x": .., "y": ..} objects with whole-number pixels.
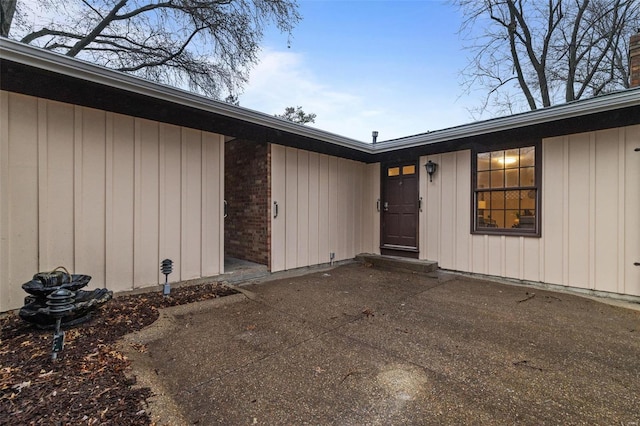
[{"x": 21, "y": 386}]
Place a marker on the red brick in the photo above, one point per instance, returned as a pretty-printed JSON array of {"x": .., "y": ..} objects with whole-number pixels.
[
  {"x": 248, "y": 195},
  {"x": 634, "y": 60}
]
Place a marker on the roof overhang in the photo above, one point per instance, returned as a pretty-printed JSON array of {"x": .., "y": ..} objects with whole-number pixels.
[
  {"x": 603, "y": 112},
  {"x": 37, "y": 72}
]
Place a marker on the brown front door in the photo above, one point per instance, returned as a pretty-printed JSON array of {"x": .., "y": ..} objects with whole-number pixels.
[{"x": 400, "y": 209}]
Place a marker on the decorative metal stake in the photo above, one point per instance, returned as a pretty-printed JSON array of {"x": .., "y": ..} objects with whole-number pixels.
[
  {"x": 166, "y": 266},
  {"x": 59, "y": 304}
]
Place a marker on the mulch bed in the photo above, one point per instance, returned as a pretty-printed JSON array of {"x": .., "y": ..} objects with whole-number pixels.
[{"x": 87, "y": 384}]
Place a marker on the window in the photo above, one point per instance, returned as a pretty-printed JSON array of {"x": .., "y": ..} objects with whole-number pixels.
[
  {"x": 506, "y": 191},
  {"x": 406, "y": 170}
]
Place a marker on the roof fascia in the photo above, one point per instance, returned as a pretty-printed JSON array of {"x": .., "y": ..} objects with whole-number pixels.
[
  {"x": 54, "y": 62},
  {"x": 606, "y": 103},
  {"x": 50, "y": 61}
]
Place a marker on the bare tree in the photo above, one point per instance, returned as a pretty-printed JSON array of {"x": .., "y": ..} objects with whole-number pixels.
[
  {"x": 207, "y": 46},
  {"x": 297, "y": 115},
  {"x": 549, "y": 51},
  {"x": 7, "y": 10}
]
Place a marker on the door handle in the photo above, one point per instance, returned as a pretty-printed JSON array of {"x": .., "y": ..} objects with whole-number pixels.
[
  {"x": 378, "y": 205},
  {"x": 637, "y": 150},
  {"x": 386, "y": 206},
  {"x": 636, "y": 263},
  {"x": 275, "y": 209},
  {"x": 225, "y": 209}
]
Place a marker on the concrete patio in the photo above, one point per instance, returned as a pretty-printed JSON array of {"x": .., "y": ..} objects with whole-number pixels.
[{"x": 357, "y": 345}]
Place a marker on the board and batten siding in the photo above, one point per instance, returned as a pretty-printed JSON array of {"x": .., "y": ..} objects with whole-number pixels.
[
  {"x": 105, "y": 195},
  {"x": 324, "y": 204},
  {"x": 590, "y": 216}
]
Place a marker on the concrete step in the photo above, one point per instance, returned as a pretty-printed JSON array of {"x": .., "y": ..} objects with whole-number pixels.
[
  {"x": 396, "y": 262},
  {"x": 238, "y": 270},
  {"x": 242, "y": 276}
]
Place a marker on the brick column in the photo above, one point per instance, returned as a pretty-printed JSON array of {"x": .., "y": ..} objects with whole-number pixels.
[
  {"x": 634, "y": 60},
  {"x": 247, "y": 190}
]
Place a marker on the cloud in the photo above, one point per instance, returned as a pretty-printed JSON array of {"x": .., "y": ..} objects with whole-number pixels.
[
  {"x": 283, "y": 79},
  {"x": 394, "y": 108}
]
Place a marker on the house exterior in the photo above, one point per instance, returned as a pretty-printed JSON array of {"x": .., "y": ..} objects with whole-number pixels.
[{"x": 108, "y": 174}]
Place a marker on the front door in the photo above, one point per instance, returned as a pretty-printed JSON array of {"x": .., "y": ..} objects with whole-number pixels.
[{"x": 399, "y": 222}]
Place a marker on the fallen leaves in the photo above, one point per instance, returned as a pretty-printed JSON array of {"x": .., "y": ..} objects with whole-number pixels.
[
  {"x": 117, "y": 355},
  {"x": 21, "y": 386},
  {"x": 525, "y": 363},
  {"x": 45, "y": 375},
  {"x": 529, "y": 297},
  {"x": 87, "y": 384},
  {"x": 349, "y": 374},
  {"x": 140, "y": 347}
]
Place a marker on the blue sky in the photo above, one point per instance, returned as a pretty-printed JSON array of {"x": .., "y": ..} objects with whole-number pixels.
[{"x": 362, "y": 65}]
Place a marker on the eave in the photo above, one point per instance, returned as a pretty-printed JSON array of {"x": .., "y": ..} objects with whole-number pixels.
[
  {"x": 602, "y": 112},
  {"x": 37, "y": 72}
]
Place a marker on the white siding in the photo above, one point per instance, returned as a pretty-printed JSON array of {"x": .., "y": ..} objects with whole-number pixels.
[
  {"x": 326, "y": 204},
  {"x": 370, "y": 215},
  {"x": 597, "y": 224},
  {"x": 278, "y": 216},
  {"x": 444, "y": 218},
  {"x": 590, "y": 221},
  {"x": 105, "y": 195}
]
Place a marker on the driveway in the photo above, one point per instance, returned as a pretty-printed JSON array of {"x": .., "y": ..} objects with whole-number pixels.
[{"x": 357, "y": 345}]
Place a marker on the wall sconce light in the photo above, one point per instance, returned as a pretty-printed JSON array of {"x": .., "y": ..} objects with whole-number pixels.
[{"x": 431, "y": 169}]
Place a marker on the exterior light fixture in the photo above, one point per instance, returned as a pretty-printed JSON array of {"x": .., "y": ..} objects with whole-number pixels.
[
  {"x": 59, "y": 305},
  {"x": 374, "y": 135},
  {"x": 431, "y": 169},
  {"x": 166, "y": 266}
]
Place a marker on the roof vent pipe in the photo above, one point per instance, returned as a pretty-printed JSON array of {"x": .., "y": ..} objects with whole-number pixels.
[{"x": 374, "y": 135}]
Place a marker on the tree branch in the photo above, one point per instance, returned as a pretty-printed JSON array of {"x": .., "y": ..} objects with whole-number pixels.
[
  {"x": 46, "y": 32},
  {"x": 558, "y": 49},
  {"x": 167, "y": 58},
  {"x": 208, "y": 45},
  {"x": 7, "y": 10}
]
